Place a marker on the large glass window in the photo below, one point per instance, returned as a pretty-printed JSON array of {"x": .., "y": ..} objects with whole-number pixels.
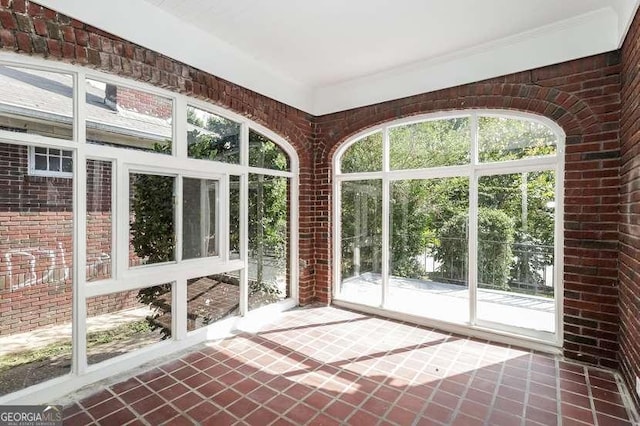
[
  {"x": 211, "y": 137},
  {"x": 119, "y": 323},
  {"x": 129, "y": 118},
  {"x": 199, "y": 217},
  {"x": 268, "y": 239},
  {"x": 472, "y": 244},
  {"x": 265, "y": 153},
  {"x": 36, "y": 102},
  {"x": 169, "y": 243},
  {"x": 361, "y": 241},
  {"x": 36, "y": 279},
  {"x": 212, "y": 298},
  {"x": 516, "y": 249},
  {"x": 152, "y": 219},
  {"x": 431, "y": 143},
  {"x": 429, "y": 245},
  {"x": 99, "y": 219}
]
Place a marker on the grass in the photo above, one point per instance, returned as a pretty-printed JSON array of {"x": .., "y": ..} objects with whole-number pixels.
[{"x": 58, "y": 349}]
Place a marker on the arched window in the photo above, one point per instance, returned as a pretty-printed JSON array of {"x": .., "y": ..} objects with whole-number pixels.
[{"x": 454, "y": 217}]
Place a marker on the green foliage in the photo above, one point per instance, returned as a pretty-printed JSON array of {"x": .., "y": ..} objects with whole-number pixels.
[
  {"x": 427, "y": 214},
  {"x": 365, "y": 155},
  {"x": 495, "y": 240},
  {"x": 264, "y": 153},
  {"x": 430, "y": 144},
  {"x": 215, "y": 139},
  {"x": 152, "y": 227},
  {"x": 503, "y": 139}
]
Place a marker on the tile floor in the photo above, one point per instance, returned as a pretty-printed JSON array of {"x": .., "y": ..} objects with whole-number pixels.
[{"x": 327, "y": 366}]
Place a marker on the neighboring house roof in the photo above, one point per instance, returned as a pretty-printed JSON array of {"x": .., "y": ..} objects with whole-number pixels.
[{"x": 48, "y": 96}]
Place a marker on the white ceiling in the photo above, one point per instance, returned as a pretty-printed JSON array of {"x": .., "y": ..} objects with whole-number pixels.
[{"x": 331, "y": 55}]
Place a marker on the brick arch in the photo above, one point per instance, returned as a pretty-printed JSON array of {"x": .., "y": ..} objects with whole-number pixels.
[
  {"x": 571, "y": 113},
  {"x": 588, "y": 112}
]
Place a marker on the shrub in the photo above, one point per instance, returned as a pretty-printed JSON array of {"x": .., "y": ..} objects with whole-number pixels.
[{"x": 495, "y": 238}]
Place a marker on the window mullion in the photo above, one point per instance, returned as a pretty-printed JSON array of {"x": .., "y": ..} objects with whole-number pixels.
[
  {"x": 472, "y": 241},
  {"x": 386, "y": 218},
  {"x": 79, "y": 309}
]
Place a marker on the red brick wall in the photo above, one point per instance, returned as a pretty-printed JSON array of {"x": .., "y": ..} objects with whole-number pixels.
[
  {"x": 583, "y": 97},
  {"x": 36, "y": 247},
  {"x": 630, "y": 209},
  {"x": 142, "y": 102}
]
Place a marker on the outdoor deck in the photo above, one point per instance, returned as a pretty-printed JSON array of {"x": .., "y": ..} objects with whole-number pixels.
[{"x": 450, "y": 302}]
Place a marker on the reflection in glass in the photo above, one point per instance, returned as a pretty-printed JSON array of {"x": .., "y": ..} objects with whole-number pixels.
[
  {"x": 128, "y": 118},
  {"x": 211, "y": 137},
  {"x": 36, "y": 102},
  {"x": 268, "y": 239},
  {"x": 265, "y": 153},
  {"x": 429, "y": 246},
  {"x": 119, "y": 323},
  {"x": 361, "y": 241},
  {"x": 515, "y": 249},
  {"x": 212, "y": 298},
  {"x": 365, "y": 155},
  {"x": 151, "y": 213},
  {"x": 501, "y": 139},
  {"x": 99, "y": 219},
  {"x": 199, "y": 225},
  {"x": 432, "y": 143}
]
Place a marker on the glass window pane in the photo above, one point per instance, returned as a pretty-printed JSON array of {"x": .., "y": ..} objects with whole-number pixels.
[
  {"x": 361, "y": 242},
  {"x": 54, "y": 151},
  {"x": 67, "y": 165},
  {"x": 212, "y": 298},
  {"x": 36, "y": 102},
  {"x": 67, "y": 154},
  {"x": 40, "y": 150},
  {"x": 430, "y": 144},
  {"x": 234, "y": 217},
  {"x": 199, "y": 204},
  {"x": 36, "y": 287},
  {"x": 268, "y": 239},
  {"x": 211, "y": 137},
  {"x": 429, "y": 246},
  {"x": 120, "y": 323},
  {"x": 54, "y": 164},
  {"x": 515, "y": 250},
  {"x": 99, "y": 220},
  {"x": 151, "y": 212},
  {"x": 501, "y": 139},
  {"x": 41, "y": 162},
  {"x": 365, "y": 155},
  {"x": 265, "y": 153},
  {"x": 128, "y": 118}
]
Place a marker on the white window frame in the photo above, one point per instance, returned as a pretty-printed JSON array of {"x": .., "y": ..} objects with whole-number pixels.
[
  {"x": 48, "y": 173},
  {"x": 549, "y": 342},
  {"x": 177, "y": 273}
]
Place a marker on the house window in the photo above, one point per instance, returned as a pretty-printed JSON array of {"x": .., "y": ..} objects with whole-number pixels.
[{"x": 52, "y": 162}]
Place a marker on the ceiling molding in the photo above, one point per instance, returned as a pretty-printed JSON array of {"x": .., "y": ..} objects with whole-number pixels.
[
  {"x": 185, "y": 43},
  {"x": 588, "y": 34}
]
